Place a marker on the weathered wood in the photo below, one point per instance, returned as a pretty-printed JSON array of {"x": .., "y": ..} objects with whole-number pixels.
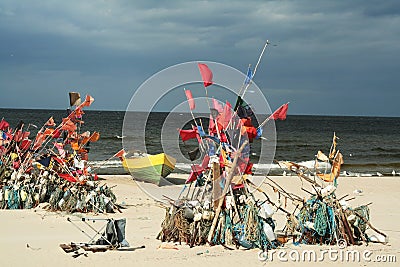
[
  {"x": 225, "y": 191},
  {"x": 216, "y": 190}
]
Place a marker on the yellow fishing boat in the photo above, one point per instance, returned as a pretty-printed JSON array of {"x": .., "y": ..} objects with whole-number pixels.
[{"x": 149, "y": 168}]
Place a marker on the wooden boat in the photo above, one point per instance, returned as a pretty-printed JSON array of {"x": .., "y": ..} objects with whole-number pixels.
[{"x": 149, "y": 168}]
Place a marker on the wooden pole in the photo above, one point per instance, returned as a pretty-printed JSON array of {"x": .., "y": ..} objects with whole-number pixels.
[{"x": 225, "y": 191}]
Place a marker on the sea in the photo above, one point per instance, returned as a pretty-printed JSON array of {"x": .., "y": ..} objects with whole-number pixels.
[{"x": 370, "y": 145}]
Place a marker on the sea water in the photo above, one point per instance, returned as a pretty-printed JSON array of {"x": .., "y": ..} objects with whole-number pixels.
[{"x": 370, "y": 145}]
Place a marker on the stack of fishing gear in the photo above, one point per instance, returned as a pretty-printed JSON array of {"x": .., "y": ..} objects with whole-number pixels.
[
  {"x": 220, "y": 209},
  {"x": 52, "y": 167},
  {"x": 324, "y": 218}
]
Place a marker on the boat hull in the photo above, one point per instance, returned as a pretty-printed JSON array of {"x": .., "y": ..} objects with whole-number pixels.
[{"x": 150, "y": 168}]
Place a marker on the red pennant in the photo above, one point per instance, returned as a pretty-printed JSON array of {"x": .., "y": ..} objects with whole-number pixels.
[
  {"x": 190, "y": 99},
  {"x": 206, "y": 74},
  {"x": 280, "y": 113},
  {"x": 4, "y": 125},
  {"x": 67, "y": 177},
  {"x": 187, "y": 134},
  {"x": 119, "y": 154}
]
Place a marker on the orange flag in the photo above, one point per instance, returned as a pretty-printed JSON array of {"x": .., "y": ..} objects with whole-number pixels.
[
  {"x": 68, "y": 125},
  {"x": 50, "y": 122},
  {"x": 88, "y": 101},
  {"x": 119, "y": 154},
  {"x": 95, "y": 137}
]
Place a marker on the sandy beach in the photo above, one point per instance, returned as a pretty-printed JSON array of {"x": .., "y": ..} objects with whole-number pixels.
[{"x": 32, "y": 237}]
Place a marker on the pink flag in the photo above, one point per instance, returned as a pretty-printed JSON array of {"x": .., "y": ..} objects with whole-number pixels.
[
  {"x": 218, "y": 106},
  {"x": 206, "y": 74},
  {"x": 60, "y": 148},
  {"x": 226, "y": 115},
  {"x": 190, "y": 99},
  {"x": 280, "y": 113}
]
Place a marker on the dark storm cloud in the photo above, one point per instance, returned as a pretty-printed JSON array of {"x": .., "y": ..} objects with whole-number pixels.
[{"x": 331, "y": 57}]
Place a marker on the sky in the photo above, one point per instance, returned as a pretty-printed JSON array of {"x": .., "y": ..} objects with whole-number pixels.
[{"x": 325, "y": 57}]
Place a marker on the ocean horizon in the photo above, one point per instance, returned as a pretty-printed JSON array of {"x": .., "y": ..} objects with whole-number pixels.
[{"x": 370, "y": 144}]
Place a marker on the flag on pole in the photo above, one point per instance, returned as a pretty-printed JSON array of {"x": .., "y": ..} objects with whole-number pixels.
[
  {"x": 196, "y": 171},
  {"x": 280, "y": 113},
  {"x": 67, "y": 177},
  {"x": 187, "y": 134},
  {"x": 4, "y": 125},
  {"x": 249, "y": 76},
  {"x": 226, "y": 115},
  {"x": 218, "y": 106},
  {"x": 50, "y": 122},
  {"x": 190, "y": 99},
  {"x": 25, "y": 144},
  {"x": 74, "y": 99},
  {"x": 68, "y": 125},
  {"x": 60, "y": 148},
  {"x": 206, "y": 74},
  {"x": 200, "y": 131},
  {"x": 88, "y": 101},
  {"x": 119, "y": 154},
  {"x": 45, "y": 161},
  {"x": 94, "y": 137}
]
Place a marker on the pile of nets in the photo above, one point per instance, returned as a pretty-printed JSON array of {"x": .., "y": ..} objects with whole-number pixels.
[{"x": 50, "y": 165}]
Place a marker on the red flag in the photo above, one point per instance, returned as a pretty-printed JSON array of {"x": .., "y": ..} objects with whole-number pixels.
[
  {"x": 25, "y": 144},
  {"x": 4, "y": 125},
  {"x": 25, "y": 135},
  {"x": 196, "y": 171},
  {"x": 280, "y": 113},
  {"x": 226, "y": 115},
  {"x": 211, "y": 124},
  {"x": 206, "y": 74},
  {"x": 190, "y": 99},
  {"x": 67, "y": 177},
  {"x": 60, "y": 161},
  {"x": 57, "y": 133},
  {"x": 187, "y": 134},
  {"x": 206, "y": 159},
  {"x": 197, "y": 133},
  {"x": 119, "y": 154},
  {"x": 17, "y": 136},
  {"x": 245, "y": 166}
]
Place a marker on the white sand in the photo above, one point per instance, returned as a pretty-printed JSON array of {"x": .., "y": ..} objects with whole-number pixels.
[{"x": 32, "y": 237}]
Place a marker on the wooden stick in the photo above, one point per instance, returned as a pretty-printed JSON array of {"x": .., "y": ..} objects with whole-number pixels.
[{"x": 225, "y": 191}]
